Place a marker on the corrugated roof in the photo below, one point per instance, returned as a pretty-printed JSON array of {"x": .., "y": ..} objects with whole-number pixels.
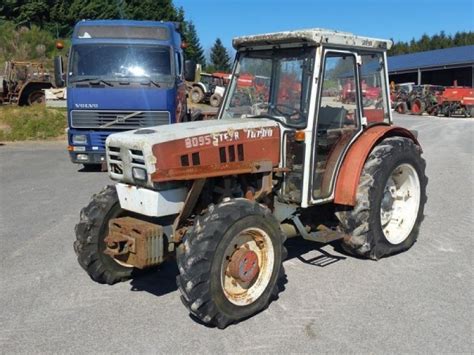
[{"x": 437, "y": 58}]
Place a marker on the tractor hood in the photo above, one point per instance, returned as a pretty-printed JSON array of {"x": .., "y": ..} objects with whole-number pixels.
[{"x": 193, "y": 150}]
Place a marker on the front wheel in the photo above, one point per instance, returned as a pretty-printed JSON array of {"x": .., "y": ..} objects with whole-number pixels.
[
  {"x": 390, "y": 201},
  {"x": 91, "y": 231},
  {"x": 230, "y": 262}
]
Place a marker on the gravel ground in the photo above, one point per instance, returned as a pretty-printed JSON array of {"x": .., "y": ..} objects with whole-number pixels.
[{"x": 417, "y": 302}]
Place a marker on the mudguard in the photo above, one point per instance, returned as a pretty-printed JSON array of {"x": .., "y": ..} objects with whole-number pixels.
[{"x": 353, "y": 163}]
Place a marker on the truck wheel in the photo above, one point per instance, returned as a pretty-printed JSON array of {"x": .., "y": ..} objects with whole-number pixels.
[
  {"x": 390, "y": 201},
  {"x": 90, "y": 234},
  {"x": 230, "y": 262},
  {"x": 215, "y": 100},
  {"x": 417, "y": 107},
  {"x": 197, "y": 95}
]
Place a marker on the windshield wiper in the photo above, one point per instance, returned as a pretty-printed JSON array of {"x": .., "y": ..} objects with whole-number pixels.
[
  {"x": 144, "y": 80},
  {"x": 149, "y": 81},
  {"x": 93, "y": 81}
]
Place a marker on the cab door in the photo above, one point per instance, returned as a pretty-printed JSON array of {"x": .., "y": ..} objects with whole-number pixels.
[{"x": 337, "y": 120}]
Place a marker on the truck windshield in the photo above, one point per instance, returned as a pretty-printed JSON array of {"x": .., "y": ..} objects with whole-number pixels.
[
  {"x": 112, "y": 62},
  {"x": 272, "y": 84}
]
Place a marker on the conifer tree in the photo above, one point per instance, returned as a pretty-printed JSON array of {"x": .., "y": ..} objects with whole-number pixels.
[{"x": 220, "y": 59}]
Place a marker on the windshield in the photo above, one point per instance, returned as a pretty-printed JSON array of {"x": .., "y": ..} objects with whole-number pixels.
[
  {"x": 273, "y": 84},
  {"x": 116, "y": 62}
]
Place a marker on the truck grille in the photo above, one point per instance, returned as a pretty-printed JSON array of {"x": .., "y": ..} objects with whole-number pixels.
[{"x": 123, "y": 120}]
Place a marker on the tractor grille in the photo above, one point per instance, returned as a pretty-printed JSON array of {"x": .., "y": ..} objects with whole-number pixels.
[
  {"x": 117, "y": 156},
  {"x": 123, "y": 120}
]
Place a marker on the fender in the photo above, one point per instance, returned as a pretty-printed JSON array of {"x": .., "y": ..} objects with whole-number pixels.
[
  {"x": 353, "y": 163},
  {"x": 202, "y": 86},
  {"x": 35, "y": 84}
]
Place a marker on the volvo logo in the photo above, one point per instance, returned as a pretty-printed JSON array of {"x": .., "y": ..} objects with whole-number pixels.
[{"x": 86, "y": 105}]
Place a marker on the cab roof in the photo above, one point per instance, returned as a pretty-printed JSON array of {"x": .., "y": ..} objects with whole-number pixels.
[{"x": 312, "y": 36}]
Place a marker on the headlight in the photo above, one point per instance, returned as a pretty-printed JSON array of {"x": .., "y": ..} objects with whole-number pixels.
[
  {"x": 139, "y": 174},
  {"x": 79, "y": 139}
]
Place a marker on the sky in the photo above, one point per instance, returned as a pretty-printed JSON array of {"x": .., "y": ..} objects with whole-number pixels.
[{"x": 397, "y": 19}]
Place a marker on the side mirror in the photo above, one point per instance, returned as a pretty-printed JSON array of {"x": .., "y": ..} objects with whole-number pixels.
[
  {"x": 58, "y": 72},
  {"x": 189, "y": 70}
]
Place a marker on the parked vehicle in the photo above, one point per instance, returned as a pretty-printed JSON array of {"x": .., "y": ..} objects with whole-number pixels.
[
  {"x": 122, "y": 75},
  {"x": 222, "y": 196},
  {"x": 456, "y": 101},
  {"x": 210, "y": 88},
  {"x": 23, "y": 83},
  {"x": 423, "y": 98}
]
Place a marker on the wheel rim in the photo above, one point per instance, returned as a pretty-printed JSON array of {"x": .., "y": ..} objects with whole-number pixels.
[
  {"x": 400, "y": 203},
  {"x": 195, "y": 96},
  {"x": 247, "y": 266},
  {"x": 416, "y": 106}
]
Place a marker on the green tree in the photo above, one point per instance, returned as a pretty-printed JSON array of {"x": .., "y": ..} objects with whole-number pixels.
[
  {"x": 193, "y": 49},
  {"x": 437, "y": 41},
  {"x": 220, "y": 59}
]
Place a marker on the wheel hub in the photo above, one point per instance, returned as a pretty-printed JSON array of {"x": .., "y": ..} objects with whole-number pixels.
[{"x": 244, "y": 265}]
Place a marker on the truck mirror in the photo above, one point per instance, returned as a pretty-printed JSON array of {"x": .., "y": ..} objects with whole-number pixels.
[
  {"x": 189, "y": 70},
  {"x": 58, "y": 71}
]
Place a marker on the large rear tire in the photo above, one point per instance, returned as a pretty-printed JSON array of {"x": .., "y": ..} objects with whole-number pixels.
[
  {"x": 402, "y": 108},
  {"x": 417, "y": 107},
  {"x": 215, "y": 100},
  {"x": 90, "y": 234},
  {"x": 390, "y": 201},
  {"x": 36, "y": 97},
  {"x": 230, "y": 262}
]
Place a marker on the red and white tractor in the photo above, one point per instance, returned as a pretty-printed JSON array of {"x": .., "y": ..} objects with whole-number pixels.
[{"x": 222, "y": 196}]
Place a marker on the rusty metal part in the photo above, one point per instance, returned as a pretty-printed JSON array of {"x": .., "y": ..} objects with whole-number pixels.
[
  {"x": 134, "y": 242},
  {"x": 266, "y": 189},
  {"x": 189, "y": 204},
  {"x": 226, "y": 153},
  {"x": 322, "y": 235},
  {"x": 244, "y": 265},
  {"x": 353, "y": 163}
]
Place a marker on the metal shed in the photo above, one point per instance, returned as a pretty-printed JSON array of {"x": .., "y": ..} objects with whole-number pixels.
[{"x": 438, "y": 67}]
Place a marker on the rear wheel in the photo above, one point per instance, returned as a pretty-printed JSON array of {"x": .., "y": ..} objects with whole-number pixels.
[
  {"x": 197, "y": 94},
  {"x": 417, "y": 107},
  {"x": 36, "y": 97},
  {"x": 215, "y": 100},
  {"x": 230, "y": 262},
  {"x": 402, "y": 108},
  {"x": 390, "y": 201}
]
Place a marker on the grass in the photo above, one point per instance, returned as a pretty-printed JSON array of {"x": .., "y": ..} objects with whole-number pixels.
[{"x": 31, "y": 123}]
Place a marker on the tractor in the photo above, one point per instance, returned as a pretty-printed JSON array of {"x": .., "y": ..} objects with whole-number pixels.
[
  {"x": 221, "y": 196},
  {"x": 24, "y": 82}
]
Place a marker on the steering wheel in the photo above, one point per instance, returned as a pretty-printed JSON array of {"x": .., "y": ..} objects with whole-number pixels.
[{"x": 289, "y": 114}]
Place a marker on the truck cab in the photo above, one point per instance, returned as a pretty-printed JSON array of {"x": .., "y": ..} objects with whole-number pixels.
[{"x": 121, "y": 75}]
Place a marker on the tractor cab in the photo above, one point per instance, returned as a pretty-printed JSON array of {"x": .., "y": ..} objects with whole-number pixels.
[{"x": 323, "y": 88}]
